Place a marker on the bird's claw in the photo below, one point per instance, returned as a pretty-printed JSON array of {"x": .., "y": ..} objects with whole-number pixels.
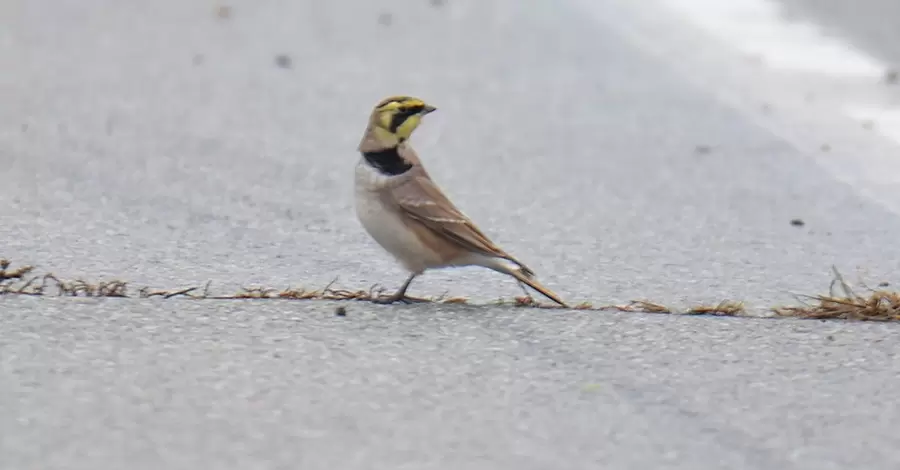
[
  {"x": 390, "y": 299},
  {"x": 386, "y": 299}
]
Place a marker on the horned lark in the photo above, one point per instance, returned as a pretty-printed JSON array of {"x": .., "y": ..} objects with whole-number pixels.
[{"x": 402, "y": 208}]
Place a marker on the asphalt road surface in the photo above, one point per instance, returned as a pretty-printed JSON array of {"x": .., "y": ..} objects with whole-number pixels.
[{"x": 624, "y": 152}]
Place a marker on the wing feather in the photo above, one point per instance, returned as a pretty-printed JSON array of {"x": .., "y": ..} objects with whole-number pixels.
[{"x": 420, "y": 198}]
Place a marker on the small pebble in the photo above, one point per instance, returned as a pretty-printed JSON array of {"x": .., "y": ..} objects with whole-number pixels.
[
  {"x": 340, "y": 311},
  {"x": 797, "y": 222},
  {"x": 283, "y": 61}
]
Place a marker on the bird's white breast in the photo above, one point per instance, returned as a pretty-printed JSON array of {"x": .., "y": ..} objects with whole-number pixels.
[{"x": 385, "y": 223}]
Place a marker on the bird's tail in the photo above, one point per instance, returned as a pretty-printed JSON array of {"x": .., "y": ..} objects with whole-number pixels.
[{"x": 534, "y": 284}]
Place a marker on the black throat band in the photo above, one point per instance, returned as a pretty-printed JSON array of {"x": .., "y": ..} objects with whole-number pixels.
[{"x": 388, "y": 161}]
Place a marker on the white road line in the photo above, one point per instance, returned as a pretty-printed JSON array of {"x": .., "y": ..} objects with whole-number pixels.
[
  {"x": 884, "y": 120},
  {"x": 758, "y": 28},
  {"x": 825, "y": 92}
]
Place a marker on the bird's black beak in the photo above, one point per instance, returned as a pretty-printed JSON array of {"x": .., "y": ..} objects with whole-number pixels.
[{"x": 428, "y": 109}]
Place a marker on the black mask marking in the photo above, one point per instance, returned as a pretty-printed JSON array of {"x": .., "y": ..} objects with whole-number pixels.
[
  {"x": 404, "y": 114},
  {"x": 388, "y": 161}
]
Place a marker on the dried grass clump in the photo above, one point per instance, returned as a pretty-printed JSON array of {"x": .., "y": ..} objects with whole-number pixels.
[
  {"x": 726, "y": 308},
  {"x": 19, "y": 281},
  {"x": 7, "y": 274},
  {"x": 642, "y": 306},
  {"x": 876, "y": 305},
  {"x": 262, "y": 293}
]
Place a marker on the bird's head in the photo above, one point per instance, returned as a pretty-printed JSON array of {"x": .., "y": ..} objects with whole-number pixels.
[{"x": 394, "y": 119}]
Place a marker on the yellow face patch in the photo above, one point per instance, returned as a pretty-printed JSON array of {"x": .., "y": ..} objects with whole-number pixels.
[
  {"x": 384, "y": 119},
  {"x": 401, "y": 115},
  {"x": 409, "y": 125}
]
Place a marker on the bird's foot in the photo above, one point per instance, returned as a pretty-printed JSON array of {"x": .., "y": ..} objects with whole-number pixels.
[
  {"x": 386, "y": 299},
  {"x": 390, "y": 299}
]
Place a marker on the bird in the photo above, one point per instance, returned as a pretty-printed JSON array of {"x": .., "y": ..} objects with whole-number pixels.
[{"x": 408, "y": 215}]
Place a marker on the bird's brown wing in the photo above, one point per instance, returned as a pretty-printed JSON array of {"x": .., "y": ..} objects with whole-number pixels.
[{"x": 420, "y": 198}]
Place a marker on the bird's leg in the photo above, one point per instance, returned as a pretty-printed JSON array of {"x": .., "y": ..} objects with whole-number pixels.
[
  {"x": 524, "y": 289},
  {"x": 400, "y": 295}
]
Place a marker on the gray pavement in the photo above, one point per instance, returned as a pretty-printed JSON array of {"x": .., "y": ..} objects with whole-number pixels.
[
  {"x": 869, "y": 25},
  {"x": 164, "y": 145},
  {"x": 183, "y": 384}
]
